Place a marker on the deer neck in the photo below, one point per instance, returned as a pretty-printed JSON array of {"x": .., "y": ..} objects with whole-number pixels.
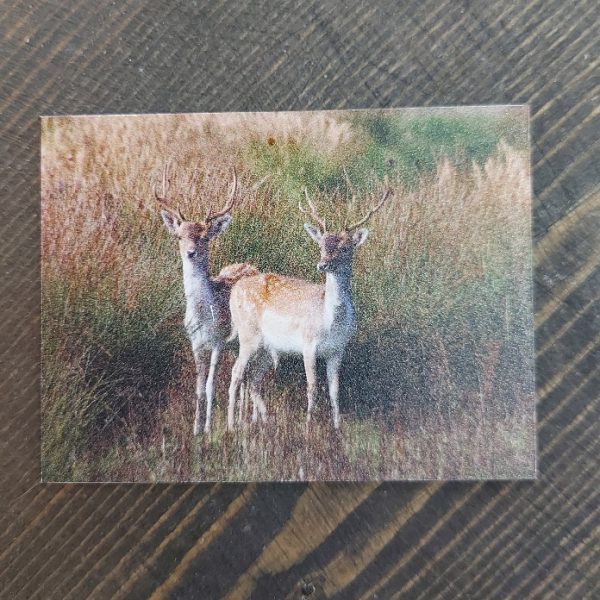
[
  {"x": 338, "y": 297},
  {"x": 197, "y": 284}
]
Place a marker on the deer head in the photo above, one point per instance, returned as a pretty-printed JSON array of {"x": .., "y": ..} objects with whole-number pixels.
[
  {"x": 337, "y": 249},
  {"x": 194, "y": 236}
]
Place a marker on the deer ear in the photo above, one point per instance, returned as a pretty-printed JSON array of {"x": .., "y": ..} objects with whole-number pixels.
[
  {"x": 314, "y": 233},
  {"x": 218, "y": 225},
  {"x": 170, "y": 220},
  {"x": 360, "y": 237}
]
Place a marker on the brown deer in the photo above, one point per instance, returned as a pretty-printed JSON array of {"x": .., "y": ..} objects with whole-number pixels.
[
  {"x": 273, "y": 314},
  {"x": 207, "y": 317}
]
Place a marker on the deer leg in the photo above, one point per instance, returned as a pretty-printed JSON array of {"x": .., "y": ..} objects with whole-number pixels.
[
  {"x": 200, "y": 359},
  {"x": 275, "y": 359},
  {"x": 242, "y": 403},
  {"x": 210, "y": 385},
  {"x": 254, "y": 410},
  {"x": 237, "y": 375},
  {"x": 310, "y": 367},
  {"x": 258, "y": 406},
  {"x": 333, "y": 379}
]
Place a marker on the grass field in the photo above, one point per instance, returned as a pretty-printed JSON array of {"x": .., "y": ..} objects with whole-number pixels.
[{"x": 437, "y": 383}]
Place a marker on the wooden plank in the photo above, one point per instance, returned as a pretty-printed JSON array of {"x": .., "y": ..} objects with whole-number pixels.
[{"x": 492, "y": 540}]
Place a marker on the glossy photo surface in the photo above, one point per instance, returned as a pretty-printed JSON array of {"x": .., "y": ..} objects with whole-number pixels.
[{"x": 336, "y": 295}]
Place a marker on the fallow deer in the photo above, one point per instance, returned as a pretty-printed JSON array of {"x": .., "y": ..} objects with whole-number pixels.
[
  {"x": 207, "y": 317},
  {"x": 274, "y": 314}
]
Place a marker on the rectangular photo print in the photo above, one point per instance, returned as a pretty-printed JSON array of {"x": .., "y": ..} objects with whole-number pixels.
[{"x": 290, "y": 296}]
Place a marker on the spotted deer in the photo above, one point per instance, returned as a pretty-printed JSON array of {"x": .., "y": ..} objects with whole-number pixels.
[
  {"x": 207, "y": 317},
  {"x": 274, "y": 314}
]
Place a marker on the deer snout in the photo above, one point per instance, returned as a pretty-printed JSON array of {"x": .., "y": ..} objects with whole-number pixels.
[{"x": 322, "y": 266}]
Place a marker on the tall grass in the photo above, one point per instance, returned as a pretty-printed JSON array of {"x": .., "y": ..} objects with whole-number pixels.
[{"x": 436, "y": 383}]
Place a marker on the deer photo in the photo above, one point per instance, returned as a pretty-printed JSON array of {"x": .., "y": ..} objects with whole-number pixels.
[
  {"x": 365, "y": 315},
  {"x": 207, "y": 317},
  {"x": 274, "y": 314}
]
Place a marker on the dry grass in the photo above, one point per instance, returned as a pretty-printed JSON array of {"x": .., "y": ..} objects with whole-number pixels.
[{"x": 438, "y": 381}]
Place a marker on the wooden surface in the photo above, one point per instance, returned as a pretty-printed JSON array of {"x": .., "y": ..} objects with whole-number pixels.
[{"x": 405, "y": 540}]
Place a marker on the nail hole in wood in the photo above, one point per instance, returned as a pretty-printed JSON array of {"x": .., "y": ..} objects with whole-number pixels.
[{"x": 307, "y": 589}]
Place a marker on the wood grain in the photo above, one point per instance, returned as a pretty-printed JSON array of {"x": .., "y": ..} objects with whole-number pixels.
[{"x": 404, "y": 540}]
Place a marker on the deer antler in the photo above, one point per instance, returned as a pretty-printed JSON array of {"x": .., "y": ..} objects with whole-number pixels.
[
  {"x": 386, "y": 194},
  {"x": 313, "y": 211},
  {"x": 210, "y": 216},
  {"x": 162, "y": 200}
]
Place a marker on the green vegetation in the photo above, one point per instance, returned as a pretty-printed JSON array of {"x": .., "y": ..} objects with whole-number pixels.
[{"x": 434, "y": 383}]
